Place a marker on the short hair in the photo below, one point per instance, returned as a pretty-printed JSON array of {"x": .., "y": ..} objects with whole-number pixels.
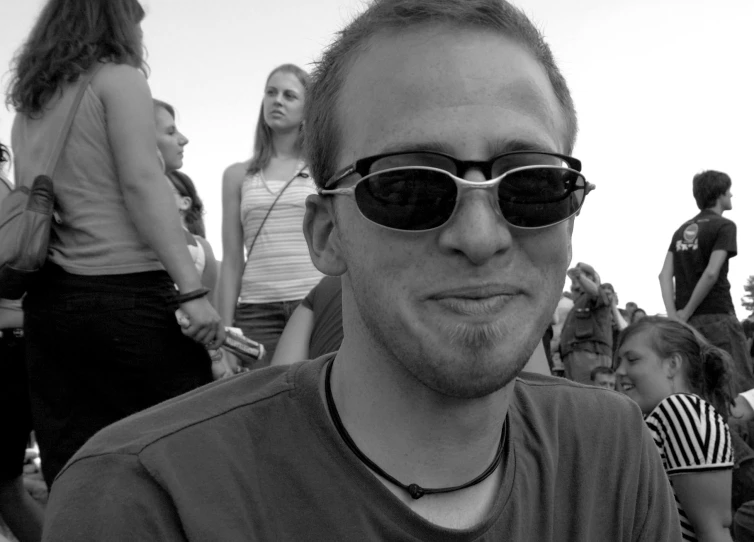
[
  {"x": 708, "y": 369},
  {"x": 709, "y": 186},
  {"x": 323, "y": 133},
  {"x": 636, "y": 311},
  {"x": 164, "y": 105},
  {"x": 263, "y": 146},
  {"x": 194, "y": 215},
  {"x": 600, "y": 370},
  {"x": 68, "y": 37},
  {"x": 632, "y": 304}
]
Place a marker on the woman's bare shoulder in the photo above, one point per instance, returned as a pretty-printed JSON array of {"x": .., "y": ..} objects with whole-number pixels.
[
  {"x": 235, "y": 173},
  {"x": 112, "y": 75}
]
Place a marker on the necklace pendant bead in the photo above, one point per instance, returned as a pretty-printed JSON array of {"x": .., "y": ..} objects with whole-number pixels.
[{"x": 415, "y": 491}]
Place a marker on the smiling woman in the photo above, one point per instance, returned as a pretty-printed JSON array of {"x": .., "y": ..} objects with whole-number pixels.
[{"x": 682, "y": 385}]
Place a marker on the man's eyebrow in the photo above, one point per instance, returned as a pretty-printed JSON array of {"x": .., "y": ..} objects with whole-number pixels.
[
  {"x": 425, "y": 146},
  {"x": 494, "y": 148},
  {"x": 502, "y": 146}
]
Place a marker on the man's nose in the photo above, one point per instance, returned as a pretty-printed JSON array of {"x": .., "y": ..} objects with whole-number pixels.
[{"x": 477, "y": 230}]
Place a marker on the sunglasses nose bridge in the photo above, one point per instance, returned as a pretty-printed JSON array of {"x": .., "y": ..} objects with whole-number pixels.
[{"x": 490, "y": 187}]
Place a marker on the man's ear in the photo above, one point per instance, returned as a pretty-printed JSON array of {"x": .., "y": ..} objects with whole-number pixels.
[{"x": 322, "y": 236}]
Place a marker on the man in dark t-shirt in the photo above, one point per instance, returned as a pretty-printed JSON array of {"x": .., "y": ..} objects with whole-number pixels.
[
  {"x": 698, "y": 261},
  {"x": 446, "y": 204}
]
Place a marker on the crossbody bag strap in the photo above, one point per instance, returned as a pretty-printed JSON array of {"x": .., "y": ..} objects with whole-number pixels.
[
  {"x": 285, "y": 187},
  {"x": 65, "y": 132}
]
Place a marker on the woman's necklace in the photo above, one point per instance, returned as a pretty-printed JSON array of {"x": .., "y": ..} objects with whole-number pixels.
[
  {"x": 263, "y": 178},
  {"x": 414, "y": 490}
]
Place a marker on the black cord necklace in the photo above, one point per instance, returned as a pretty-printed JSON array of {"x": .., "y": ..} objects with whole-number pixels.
[{"x": 414, "y": 490}]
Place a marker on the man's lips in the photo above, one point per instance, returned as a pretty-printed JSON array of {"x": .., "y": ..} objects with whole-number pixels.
[
  {"x": 626, "y": 385},
  {"x": 475, "y": 301},
  {"x": 476, "y": 292}
]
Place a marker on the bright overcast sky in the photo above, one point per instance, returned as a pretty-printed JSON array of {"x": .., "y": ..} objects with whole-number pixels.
[{"x": 663, "y": 89}]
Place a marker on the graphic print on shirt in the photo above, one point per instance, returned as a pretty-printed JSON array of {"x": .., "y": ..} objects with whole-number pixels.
[{"x": 690, "y": 239}]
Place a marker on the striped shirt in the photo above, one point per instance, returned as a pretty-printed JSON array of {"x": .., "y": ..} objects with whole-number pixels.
[
  {"x": 691, "y": 437},
  {"x": 279, "y": 267}
]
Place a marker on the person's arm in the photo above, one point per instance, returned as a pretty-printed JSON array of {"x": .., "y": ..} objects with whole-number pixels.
[
  {"x": 209, "y": 276},
  {"x": 742, "y": 410},
  {"x": 704, "y": 284},
  {"x": 666, "y": 285},
  {"x": 233, "y": 247},
  {"x": 132, "y": 136},
  {"x": 11, "y": 315},
  {"x": 656, "y": 513},
  {"x": 293, "y": 345},
  {"x": 109, "y": 497},
  {"x": 591, "y": 287},
  {"x": 705, "y": 497},
  {"x": 617, "y": 316}
]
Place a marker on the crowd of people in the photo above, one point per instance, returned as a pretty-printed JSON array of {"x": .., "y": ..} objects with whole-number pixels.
[{"x": 402, "y": 262}]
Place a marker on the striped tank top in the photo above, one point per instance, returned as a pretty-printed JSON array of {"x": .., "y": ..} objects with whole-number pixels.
[
  {"x": 279, "y": 267},
  {"x": 691, "y": 437}
]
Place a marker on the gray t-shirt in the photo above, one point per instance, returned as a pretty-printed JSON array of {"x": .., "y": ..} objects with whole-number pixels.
[{"x": 255, "y": 457}]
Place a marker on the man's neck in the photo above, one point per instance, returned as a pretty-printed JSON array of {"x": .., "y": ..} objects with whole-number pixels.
[
  {"x": 411, "y": 432},
  {"x": 717, "y": 209}
]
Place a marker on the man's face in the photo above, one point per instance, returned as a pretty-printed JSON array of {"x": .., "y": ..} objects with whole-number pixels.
[
  {"x": 605, "y": 381},
  {"x": 460, "y": 308},
  {"x": 728, "y": 201}
]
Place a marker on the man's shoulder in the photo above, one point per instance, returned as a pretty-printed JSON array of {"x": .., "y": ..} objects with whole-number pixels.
[
  {"x": 226, "y": 403},
  {"x": 558, "y": 398},
  {"x": 682, "y": 228}
]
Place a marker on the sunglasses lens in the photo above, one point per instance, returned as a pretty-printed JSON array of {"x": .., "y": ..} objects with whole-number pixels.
[
  {"x": 409, "y": 199},
  {"x": 538, "y": 197}
]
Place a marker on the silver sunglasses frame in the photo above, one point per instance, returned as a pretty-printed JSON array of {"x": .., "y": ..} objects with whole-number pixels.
[{"x": 463, "y": 186}]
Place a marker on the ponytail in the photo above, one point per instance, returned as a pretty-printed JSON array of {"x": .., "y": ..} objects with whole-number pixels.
[
  {"x": 714, "y": 378},
  {"x": 194, "y": 215}
]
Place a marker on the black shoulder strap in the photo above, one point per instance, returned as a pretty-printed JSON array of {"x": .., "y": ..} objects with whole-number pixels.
[
  {"x": 253, "y": 241},
  {"x": 84, "y": 81}
]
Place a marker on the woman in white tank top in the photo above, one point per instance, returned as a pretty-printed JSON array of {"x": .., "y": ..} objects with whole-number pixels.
[{"x": 266, "y": 268}]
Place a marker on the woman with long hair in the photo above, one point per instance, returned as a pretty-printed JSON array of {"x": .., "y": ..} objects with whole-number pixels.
[
  {"x": 682, "y": 385},
  {"x": 102, "y": 338},
  {"x": 266, "y": 261}
]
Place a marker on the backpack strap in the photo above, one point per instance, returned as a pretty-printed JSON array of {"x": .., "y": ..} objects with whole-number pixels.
[{"x": 84, "y": 81}]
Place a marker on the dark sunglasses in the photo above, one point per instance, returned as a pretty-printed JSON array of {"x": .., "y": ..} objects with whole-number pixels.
[{"x": 420, "y": 191}]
